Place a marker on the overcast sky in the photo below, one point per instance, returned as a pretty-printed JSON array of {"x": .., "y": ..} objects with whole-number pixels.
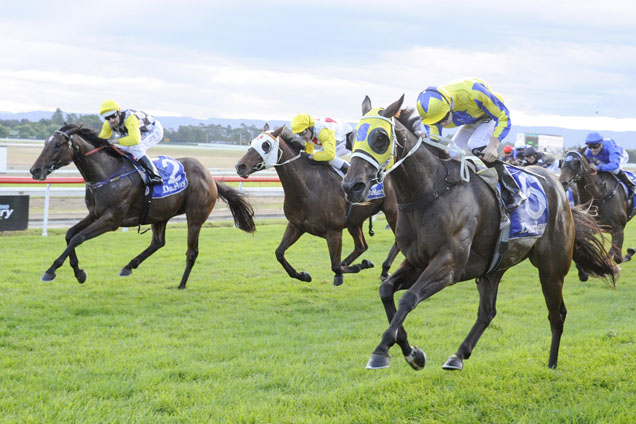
[{"x": 556, "y": 63}]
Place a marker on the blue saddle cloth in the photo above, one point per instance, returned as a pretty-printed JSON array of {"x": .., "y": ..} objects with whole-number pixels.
[
  {"x": 376, "y": 191},
  {"x": 173, "y": 176},
  {"x": 570, "y": 197},
  {"x": 531, "y": 218},
  {"x": 632, "y": 177}
]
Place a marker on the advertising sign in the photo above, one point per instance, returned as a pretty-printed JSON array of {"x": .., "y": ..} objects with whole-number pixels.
[{"x": 14, "y": 213}]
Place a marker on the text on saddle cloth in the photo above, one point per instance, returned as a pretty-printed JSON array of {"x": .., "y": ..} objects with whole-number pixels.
[
  {"x": 531, "y": 217},
  {"x": 171, "y": 172}
]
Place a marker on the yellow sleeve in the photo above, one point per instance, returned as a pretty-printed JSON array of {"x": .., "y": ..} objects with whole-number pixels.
[
  {"x": 309, "y": 147},
  {"x": 106, "y": 131},
  {"x": 134, "y": 134},
  {"x": 328, "y": 140}
]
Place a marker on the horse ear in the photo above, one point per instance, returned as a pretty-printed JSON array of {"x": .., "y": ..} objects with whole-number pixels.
[
  {"x": 366, "y": 105},
  {"x": 266, "y": 127},
  {"x": 394, "y": 108},
  {"x": 277, "y": 132}
]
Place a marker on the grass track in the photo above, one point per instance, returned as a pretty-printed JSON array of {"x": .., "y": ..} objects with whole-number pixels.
[{"x": 246, "y": 344}]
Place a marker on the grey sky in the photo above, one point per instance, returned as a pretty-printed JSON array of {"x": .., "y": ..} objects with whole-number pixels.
[{"x": 567, "y": 63}]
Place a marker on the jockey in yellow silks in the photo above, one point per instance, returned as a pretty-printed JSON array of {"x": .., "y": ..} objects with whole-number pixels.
[
  {"x": 483, "y": 121},
  {"x": 135, "y": 131},
  {"x": 325, "y": 139}
]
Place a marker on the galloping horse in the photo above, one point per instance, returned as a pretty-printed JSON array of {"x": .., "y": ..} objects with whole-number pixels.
[
  {"x": 115, "y": 194},
  {"x": 605, "y": 193},
  {"x": 448, "y": 230},
  {"x": 315, "y": 203}
]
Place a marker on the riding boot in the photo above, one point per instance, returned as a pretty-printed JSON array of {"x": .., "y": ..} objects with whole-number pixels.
[
  {"x": 149, "y": 167},
  {"x": 515, "y": 196},
  {"x": 625, "y": 179}
]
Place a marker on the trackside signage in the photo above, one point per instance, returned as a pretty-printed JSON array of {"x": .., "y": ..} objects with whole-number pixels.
[{"x": 14, "y": 213}]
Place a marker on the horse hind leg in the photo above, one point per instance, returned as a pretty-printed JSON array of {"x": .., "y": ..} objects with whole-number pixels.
[
  {"x": 193, "y": 251},
  {"x": 157, "y": 242},
  {"x": 80, "y": 274},
  {"x": 359, "y": 245},
  {"x": 386, "y": 265},
  {"x": 488, "y": 287},
  {"x": 552, "y": 286}
]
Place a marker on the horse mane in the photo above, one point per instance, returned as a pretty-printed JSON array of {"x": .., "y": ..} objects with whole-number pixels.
[
  {"x": 410, "y": 119},
  {"x": 294, "y": 141},
  {"x": 90, "y": 136}
]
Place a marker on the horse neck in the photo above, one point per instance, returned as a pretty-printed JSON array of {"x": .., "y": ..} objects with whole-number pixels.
[
  {"x": 97, "y": 166},
  {"x": 416, "y": 176},
  {"x": 292, "y": 175},
  {"x": 590, "y": 186}
]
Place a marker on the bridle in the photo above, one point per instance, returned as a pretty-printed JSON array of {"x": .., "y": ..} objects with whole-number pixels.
[{"x": 569, "y": 157}]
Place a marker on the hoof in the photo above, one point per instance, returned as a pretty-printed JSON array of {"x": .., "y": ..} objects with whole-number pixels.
[
  {"x": 365, "y": 264},
  {"x": 48, "y": 276},
  {"x": 416, "y": 359},
  {"x": 630, "y": 251},
  {"x": 583, "y": 277},
  {"x": 338, "y": 280},
  {"x": 377, "y": 362},
  {"x": 453, "y": 363},
  {"x": 81, "y": 276},
  {"x": 125, "y": 272},
  {"x": 384, "y": 276},
  {"x": 304, "y": 276}
]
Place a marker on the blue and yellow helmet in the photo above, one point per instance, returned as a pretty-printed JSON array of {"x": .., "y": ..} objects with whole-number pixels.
[{"x": 433, "y": 104}]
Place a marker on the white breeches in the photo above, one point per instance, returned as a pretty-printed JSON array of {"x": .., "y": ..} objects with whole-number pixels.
[{"x": 148, "y": 139}]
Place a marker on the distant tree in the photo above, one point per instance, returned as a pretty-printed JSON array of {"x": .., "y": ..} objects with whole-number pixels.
[
  {"x": 58, "y": 117},
  {"x": 4, "y": 131}
]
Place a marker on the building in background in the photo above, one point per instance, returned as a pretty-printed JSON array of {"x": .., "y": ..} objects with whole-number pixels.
[{"x": 542, "y": 142}]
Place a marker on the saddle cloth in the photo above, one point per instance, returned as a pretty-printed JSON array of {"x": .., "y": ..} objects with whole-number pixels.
[{"x": 173, "y": 176}]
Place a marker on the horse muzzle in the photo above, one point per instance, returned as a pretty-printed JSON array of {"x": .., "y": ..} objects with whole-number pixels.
[{"x": 355, "y": 190}]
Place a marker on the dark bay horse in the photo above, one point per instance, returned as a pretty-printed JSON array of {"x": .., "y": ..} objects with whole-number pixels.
[
  {"x": 448, "y": 229},
  {"x": 603, "y": 190},
  {"x": 115, "y": 192},
  {"x": 315, "y": 203}
]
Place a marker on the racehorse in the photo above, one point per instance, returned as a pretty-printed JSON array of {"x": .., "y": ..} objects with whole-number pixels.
[
  {"x": 447, "y": 230},
  {"x": 115, "y": 195},
  {"x": 315, "y": 203},
  {"x": 603, "y": 190}
]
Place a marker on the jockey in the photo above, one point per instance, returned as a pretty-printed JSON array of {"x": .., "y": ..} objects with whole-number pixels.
[
  {"x": 607, "y": 156},
  {"x": 543, "y": 159},
  {"x": 135, "y": 131},
  {"x": 483, "y": 121},
  {"x": 325, "y": 139},
  {"x": 508, "y": 156}
]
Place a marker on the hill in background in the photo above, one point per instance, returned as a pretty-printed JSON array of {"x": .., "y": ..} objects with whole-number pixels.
[{"x": 572, "y": 138}]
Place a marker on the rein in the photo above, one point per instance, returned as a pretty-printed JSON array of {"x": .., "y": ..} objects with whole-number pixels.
[
  {"x": 116, "y": 176},
  {"x": 580, "y": 175}
]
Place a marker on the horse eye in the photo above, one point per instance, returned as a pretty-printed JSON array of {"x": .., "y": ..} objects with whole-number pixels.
[
  {"x": 266, "y": 146},
  {"x": 378, "y": 140}
]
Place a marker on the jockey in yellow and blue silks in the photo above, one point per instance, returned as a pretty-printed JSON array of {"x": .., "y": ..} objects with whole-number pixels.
[
  {"x": 325, "y": 139},
  {"x": 607, "y": 156},
  {"x": 483, "y": 121},
  {"x": 135, "y": 131}
]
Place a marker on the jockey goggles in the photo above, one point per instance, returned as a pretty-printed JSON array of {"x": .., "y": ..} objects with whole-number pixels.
[{"x": 379, "y": 156}]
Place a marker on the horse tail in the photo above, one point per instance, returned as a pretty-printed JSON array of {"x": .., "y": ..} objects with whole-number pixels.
[
  {"x": 589, "y": 248},
  {"x": 242, "y": 211}
]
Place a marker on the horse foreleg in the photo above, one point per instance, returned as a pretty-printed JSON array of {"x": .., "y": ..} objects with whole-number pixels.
[
  {"x": 402, "y": 279},
  {"x": 100, "y": 226},
  {"x": 386, "y": 265},
  {"x": 157, "y": 242},
  {"x": 616, "y": 251},
  {"x": 292, "y": 234},
  {"x": 80, "y": 274},
  {"x": 487, "y": 287},
  {"x": 435, "y": 277},
  {"x": 359, "y": 244}
]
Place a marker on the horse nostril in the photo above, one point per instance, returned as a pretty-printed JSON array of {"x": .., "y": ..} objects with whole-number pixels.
[{"x": 358, "y": 187}]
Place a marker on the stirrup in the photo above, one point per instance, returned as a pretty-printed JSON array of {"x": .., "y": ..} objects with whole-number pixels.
[{"x": 516, "y": 201}]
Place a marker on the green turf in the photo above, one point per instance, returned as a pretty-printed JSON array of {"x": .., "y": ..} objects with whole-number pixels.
[{"x": 246, "y": 344}]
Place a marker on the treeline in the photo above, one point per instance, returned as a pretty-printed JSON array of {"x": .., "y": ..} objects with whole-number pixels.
[{"x": 43, "y": 129}]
